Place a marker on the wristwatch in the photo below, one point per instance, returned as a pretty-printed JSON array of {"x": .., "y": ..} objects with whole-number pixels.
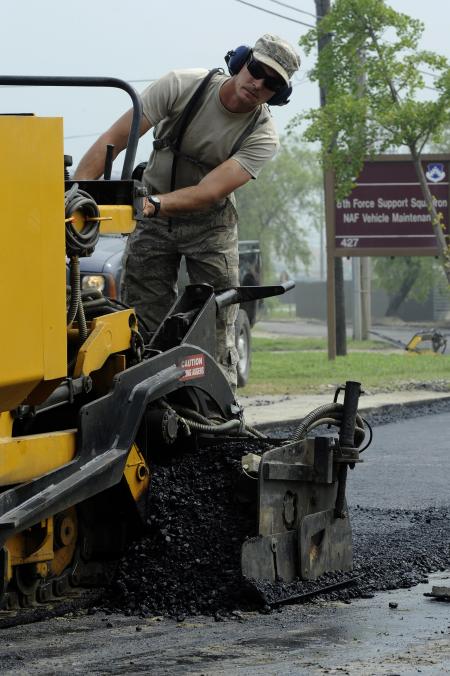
[{"x": 156, "y": 203}]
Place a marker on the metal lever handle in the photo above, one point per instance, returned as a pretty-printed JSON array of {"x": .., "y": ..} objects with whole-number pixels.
[
  {"x": 350, "y": 409},
  {"x": 108, "y": 161},
  {"x": 346, "y": 440}
]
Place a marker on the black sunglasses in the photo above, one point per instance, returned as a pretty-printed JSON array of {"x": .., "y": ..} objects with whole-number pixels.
[{"x": 256, "y": 70}]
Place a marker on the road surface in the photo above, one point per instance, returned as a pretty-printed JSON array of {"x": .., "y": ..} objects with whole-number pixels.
[{"x": 407, "y": 467}]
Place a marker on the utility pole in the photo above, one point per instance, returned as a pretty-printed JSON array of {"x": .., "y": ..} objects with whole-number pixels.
[
  {"x": 362, "y": 268},
  {"x": 322, "y": 251},
  {"x": 366, "y": 297},
  {"x": 337, "y": 338},
  {"x": 357, "y": 311}
]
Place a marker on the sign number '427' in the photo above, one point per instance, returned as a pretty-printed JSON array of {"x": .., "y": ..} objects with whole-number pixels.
[{"x": 349, "y": 242}]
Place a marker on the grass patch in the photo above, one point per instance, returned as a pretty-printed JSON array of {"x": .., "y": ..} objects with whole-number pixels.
[
  {"x": 294, "y": 344},
  {"x": 294, "y": 372}
]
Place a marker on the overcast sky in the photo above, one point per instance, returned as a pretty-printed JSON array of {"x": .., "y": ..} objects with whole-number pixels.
[{"x": 141, "y": 40}]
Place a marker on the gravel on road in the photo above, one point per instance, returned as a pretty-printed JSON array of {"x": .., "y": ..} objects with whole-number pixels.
[{"x": 188, "y": 562}]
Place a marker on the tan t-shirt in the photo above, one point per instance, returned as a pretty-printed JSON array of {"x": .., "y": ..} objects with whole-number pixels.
[{"x": 210, "y": 135}]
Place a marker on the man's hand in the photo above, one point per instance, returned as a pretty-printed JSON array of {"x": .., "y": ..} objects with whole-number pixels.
[{"x": 149, "y": 209}]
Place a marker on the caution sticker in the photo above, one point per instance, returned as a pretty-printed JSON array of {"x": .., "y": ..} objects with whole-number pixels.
[{"x": 194, "y": 365}]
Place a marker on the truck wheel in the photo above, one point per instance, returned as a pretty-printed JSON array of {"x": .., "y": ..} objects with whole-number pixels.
[{"x": 243, "y": 345}]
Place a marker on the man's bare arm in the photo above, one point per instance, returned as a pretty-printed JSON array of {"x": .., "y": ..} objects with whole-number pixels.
[
  {"x": 92, "y": 163},
  {"x": 214, "y": 187}
]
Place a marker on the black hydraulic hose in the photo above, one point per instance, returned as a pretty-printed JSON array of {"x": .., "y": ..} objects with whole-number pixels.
[
  {"x": 220, "y": 428},
  {"x": 213, "y": 429},
  {"x": 361, "y": 450},
  {"x": 256, "y": 433},
  {"x": 322, "y": 416},
  {"x": 81, "y": 242},
  {"x": 75, "y": 289},
  {"x": 201, "y": 423},
  {"x": 325, "y": 411},
  {"x": 184, "y": 412},
  {"x": 336, "y": 420},
  {"x": 82, "y": 325}
]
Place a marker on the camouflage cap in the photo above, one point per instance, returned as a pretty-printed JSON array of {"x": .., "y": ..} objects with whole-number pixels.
[{"x": 277, "y": 54}]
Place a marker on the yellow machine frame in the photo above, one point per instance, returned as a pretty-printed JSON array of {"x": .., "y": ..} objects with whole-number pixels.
[{"x": 34, "y": 359}]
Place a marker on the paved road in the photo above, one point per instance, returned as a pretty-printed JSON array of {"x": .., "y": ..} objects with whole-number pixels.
[
  {"x": 316, "y": 329},
  {"x": 403, "y": 468},
  {"x": 363, "y": 639},
  {"x": 407, "y": 466}
]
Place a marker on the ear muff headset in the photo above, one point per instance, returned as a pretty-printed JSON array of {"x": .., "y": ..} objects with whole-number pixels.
[{"x": 237, "y": 58}]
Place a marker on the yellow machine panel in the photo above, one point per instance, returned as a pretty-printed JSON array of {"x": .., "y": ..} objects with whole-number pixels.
[
  {"x": 118, "y": 218},
  {"x": 25, "y": 458},
  {"x": 32, "y": 256}
]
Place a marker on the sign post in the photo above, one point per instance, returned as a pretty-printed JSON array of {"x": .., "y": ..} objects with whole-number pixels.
[{"x": 331, "y": 287}]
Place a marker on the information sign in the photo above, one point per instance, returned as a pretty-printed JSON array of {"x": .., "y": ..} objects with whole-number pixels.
[{"x": 386, "y": 213}]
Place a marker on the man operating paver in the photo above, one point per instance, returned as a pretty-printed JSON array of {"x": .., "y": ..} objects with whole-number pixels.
[{"x": 213, "y": 133}]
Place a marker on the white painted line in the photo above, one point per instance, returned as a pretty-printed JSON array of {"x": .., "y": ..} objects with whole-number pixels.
[
  {"x": 394, "y": 184},
  {"x": 383, "y": 236}
]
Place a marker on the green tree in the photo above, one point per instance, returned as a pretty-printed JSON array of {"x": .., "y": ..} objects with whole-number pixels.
[
  {"x": 371, "y": 69},
  {"x": 407, "y": 277},
  {"x": 440, "y": 143},
  {"x": 283, "y": 205}
]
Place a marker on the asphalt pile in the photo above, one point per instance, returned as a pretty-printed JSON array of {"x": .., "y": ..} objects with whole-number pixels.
[{"x": 188, "y": 562}]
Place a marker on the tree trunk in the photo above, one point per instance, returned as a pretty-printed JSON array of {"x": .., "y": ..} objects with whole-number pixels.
[
  {"x": 341, "y": 333},
  {"x": 397, "y": 299}
]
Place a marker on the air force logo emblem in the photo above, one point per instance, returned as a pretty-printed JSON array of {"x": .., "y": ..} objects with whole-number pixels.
[{"x": 435, "y": 172}]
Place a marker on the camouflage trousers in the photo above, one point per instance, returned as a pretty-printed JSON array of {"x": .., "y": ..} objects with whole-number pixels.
[{"x": 150, "y": 271}]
